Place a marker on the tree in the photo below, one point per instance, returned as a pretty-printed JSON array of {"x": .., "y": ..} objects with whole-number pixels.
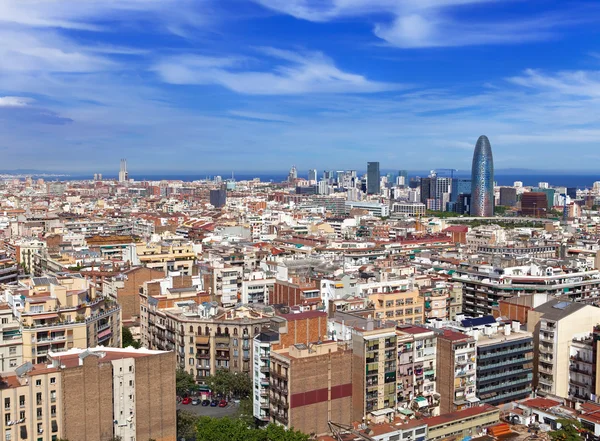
[
  {"x": 186, "y": 424},
  {"x": 184, "y": 382},
  {"x": 570, "y": 430},
  {"x": 127, "y": 339},
  {"x": 225, "y": 382},
  {"x": 246, "y": 412},
  {"x": 227, "y": 429}
]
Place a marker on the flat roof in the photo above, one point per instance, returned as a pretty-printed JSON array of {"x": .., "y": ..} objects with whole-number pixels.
[{"x": 459, "y": 415}]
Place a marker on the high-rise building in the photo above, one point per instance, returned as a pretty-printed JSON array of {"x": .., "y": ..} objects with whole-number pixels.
[
  {"x": 123, "y": 175},
  {"x": 459, "y": 186},
  {"x": 312, "y": 174},
  {"x": 373, "y": 178},
  {"x": 534, "y": 204},
  {"x": 218, "y": 197},
  {"x": 482, "y": 179},
  {"x": 508, "y": 196},
  {"x": 293, "y": 174},
  {"x": 402, "y": 178}
]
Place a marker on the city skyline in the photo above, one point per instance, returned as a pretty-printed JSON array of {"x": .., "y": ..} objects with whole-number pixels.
[{"x": 258, "y": 85}]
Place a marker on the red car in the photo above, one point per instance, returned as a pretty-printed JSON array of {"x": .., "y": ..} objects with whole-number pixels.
[
  {"x": 222, "y": 403},
  {"x": 186, "y": 400}
]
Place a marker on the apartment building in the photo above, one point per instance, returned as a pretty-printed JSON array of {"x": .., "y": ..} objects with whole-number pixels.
[
  {"x": 456, "y": 371},
  {"x": 583, "y": 376},
  {"x": 311, "y": 385},
  {"x": 405, "y": 306},
  {"x": 204, "y": 337},
  {"x": 226, "y": 284},
  {"x": 257, "y": 290},
  {"x": 11, "y": 339},
  {"x": 462, "y": 424},
  {"x": 504, "y": 361},
  {"x": 9, "y": 270},
  {"x": 91, "y": 394},
  {"x": 124, "y": 289},
  {"x": 485, "y": 286},
  {"x": 60, "y": 313},
  {"x": 287, "y": 330},
  {"x": 417, "y": 365},
  {"x": 168, "y": 256},
  {"x": 554, "y": 325},
  {"x": 374, "y": 367}
]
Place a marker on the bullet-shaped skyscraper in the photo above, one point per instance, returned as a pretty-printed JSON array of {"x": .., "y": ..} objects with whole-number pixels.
[{"x": 482, "y": 179}]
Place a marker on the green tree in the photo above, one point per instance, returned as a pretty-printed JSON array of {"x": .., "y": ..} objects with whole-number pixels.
[
  {"x": 228, "y": 429},
  {"x": 127, "y": 339},
  {"x": 186, "y": 424},
  {"x": 228, "y": 383},
  {"x": 246, "y": 412},
  {"x": 570, "y": 430},
  {"x": 184, "y": 382}
]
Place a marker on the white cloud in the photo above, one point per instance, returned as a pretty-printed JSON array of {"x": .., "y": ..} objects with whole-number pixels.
[
  {"x": 296, "y": 73},
  {"x": 577, "y": 83},
  {"x": 428, "y": 23},
  {"x": 14, "y": 101}
]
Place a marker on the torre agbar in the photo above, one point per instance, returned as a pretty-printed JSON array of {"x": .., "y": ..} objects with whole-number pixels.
[{"x": 482, "y": 179}]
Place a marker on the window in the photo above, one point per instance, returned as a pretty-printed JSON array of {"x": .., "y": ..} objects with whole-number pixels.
[
  {"x": 235, "y": 342},
  {"x": 22, "y": 400},
  {"x": 4, "y": 320},
  {"x": 38, "y": 398},
  {"x": 7, "y": 435},
  {"x": 191, "y": 361},
  {"x": 12, "y": 350},
  {"x": 52, "y": 396},
  {"x": 39, "y": 412},
  {"x": 191, "y": 351},
  {"x": 12, "y": 363},
  {"x": 7, "y": 403},
  {"x": 6, "y": 418},
  {"x": 22, "y": 415},
  {"x": 53, "y": 411},
  {"x": 38, "y": 382}
]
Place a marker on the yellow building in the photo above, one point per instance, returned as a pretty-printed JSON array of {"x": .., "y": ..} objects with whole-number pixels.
[
  {"x": 168, "y": 256},
  {"x": 404, "y": 306},
  {"x": 60, "y": 313}
]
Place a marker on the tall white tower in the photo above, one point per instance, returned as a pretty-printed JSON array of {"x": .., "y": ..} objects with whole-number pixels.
[{"x": 123, "y": 175}]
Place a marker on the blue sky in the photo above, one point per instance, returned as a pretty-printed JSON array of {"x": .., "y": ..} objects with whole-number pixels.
[{"x": 259, "y": 85}]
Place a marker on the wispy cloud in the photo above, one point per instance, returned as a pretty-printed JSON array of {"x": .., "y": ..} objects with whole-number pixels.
[
  {"x": 577, "y": 83},
  {"x": 14, "y": 101},
  {"x": 292, "y": 73},
  {"x": 429, "y": 23}
]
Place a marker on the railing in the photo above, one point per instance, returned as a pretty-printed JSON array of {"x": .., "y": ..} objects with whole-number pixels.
[
  {"x": 504, "y": 352},
  {"x": 102, "y": 314},
  {"x": 505, "y": 363},
  {"x": 529, "y": 378}
]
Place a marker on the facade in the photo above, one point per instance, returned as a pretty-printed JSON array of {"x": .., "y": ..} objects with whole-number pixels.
[
  {"x": 482, "y": 179},
  {"x": 374, "y": 368},
  {"x": 459, "y": 186},
  {"x": 169, "y": 257},
  {"x": 583, "y": 375},
  {"x": 127, "y": 394},
  {"x": 504, "y": 363},
  {"x": 417, "y": 359},
  {"x": 123, "y": 174},
  {"x": 11, "y": 340},
  {"x": 311, "y": 385},
  {"x": 61, "y": 313},
  {"x": 534, "y": 204},
  {"x": 554, "y": 325},
  {"x": 462, "y": 424},
  {"x": 373, "y": 178},
  {"x": 124, "y": 289},
  {"x": 402, "y": 306},
  {"x": 261, "y": 349},
  {"x": 508, "y": 196},
  {"x": 456, "y": 371},
  {"x": 218, "y": 197}
]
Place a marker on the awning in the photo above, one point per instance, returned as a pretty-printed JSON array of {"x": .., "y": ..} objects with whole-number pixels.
[
  {"x": 104, "y": 333},
  {"x": 430, "y": 372},
  {"x": 406, "y": 412},
  {"x": 421, "y": 402}
]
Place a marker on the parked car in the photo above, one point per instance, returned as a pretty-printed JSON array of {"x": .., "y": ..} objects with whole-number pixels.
[
  {"x": 196, "y": 402},
  {"x": 206, "y": 402},
  {"x": 186, "y": 400},
  {"x": 222, "y": 403},
  {"x": 214, "y": 403}
]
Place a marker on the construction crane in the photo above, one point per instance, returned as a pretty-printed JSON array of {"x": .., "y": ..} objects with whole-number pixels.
[
  {"x": 338, "y": 431},
  {"x": 451, "y": 170}
]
